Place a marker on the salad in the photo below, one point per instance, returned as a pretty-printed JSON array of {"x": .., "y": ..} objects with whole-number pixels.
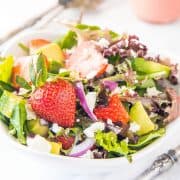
[{"x": 91, "y": 93}]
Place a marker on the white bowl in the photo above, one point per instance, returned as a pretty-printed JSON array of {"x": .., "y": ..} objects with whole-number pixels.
[{"x": 60, "y": 167}]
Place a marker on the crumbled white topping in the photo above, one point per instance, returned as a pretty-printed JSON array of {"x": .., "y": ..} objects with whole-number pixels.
[
  {"x": 152, "y": 92},
  {"x": 22, "y": 91},
  {"x": 103, "y": 43},
  {"x": 126, "y": 140},
  {"x": 30, "y": 113},
  {"x": 152, "y": 115},
  {"x": 110, "y": 69},
  {"x": 109, "y": 121},
  {"x": 43, "y": 122},
  {"x": 87, "y": 155},
  {"x": 61, "y": 70},
  {"x": 55, "y": 128},
  {"x": 78, "y": 120},
  {"x": 91, "y": 74},
  {"x": 91, "y": 100},
  {"x": 123, "y": 91},
  {"x": 39, "y": 143},
  {"x": 134, "y": 127},
  {"x": 89, "y": 132}
]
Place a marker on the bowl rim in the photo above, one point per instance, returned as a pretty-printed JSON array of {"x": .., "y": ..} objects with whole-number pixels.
[{"x": 136, "y": 157}]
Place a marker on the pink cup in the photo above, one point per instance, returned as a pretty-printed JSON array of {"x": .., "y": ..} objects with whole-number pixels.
[{"x": 157, "y": 11}]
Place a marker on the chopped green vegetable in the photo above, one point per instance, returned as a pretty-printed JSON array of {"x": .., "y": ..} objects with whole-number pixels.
[
  {"x": 17, "y": 120},
  {"x": 147, "y": 139},
  {"x": 4, "y": 119},
  {"x": 24, "y": 47},
  {"x": 140, "y": 116},
  {"x": 23, "y": 83},
  {"x": 110, "y": 143},
  {"x": 6, "y": 65},
  {"x": 35, "y": 127},
  {"x": 149, "y": 67},
  {"x": 147, "y": 83}
]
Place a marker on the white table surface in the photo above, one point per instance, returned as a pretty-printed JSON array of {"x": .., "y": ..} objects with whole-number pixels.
[{"x": 114, "y": 14}]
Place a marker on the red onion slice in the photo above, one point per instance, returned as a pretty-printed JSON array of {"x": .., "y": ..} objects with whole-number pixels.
[
  {"x": 82, "y": 148},
  {"x": 111, "y": 85},
  {"x": 82, "y": 98}
]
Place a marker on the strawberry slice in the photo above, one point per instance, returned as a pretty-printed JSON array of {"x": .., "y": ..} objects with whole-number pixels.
[
  {"x": 66, "y": 141},
  {"x": 114, "y": 111},
  {"x": 55, "y": 102}
]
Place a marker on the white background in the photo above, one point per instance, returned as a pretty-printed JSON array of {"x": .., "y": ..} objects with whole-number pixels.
[{"x": 114, "y": 14}]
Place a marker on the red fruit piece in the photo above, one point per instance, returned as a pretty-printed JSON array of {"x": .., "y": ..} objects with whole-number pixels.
[
  {"x": 66, "y": 141},
  {"x": 114, "y": 111},
  {"x": 55, "y": 102}
]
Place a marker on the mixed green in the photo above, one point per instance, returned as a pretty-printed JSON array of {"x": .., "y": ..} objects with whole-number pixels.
[{"x": 90, "y": 93}]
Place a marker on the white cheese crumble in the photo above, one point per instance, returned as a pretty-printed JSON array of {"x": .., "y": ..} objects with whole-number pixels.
[
  {"x": 90, "y": 131},
  {"x": 110, "y": 69},
  {"x": 103, "y": 43},
  {"x": 91, "y": 100},
  {"x": 91, "y": 75},
  {"x": 126, "y": 140},
  {"x": 39, "y": 143},
  {"x": 123, "y": 91},
  {"x": 30, "y": 113},
  {"x": 134, "y": 127},
  {"x": 55, "y": 128},
  {"x": 87, "y": 155},
  {"x": 152, "y": 92},
  {"x": 109, "y": 121},
  {"x": 22, "y": 91},
  {"x": 43, "y": 122}
]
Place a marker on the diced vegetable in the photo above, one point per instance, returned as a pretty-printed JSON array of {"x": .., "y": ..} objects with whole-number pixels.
[
  {"x": 35, "y": 127},
  {"x": 55, "y": 148},
  {"x": 149, "y": 67},
  {"x": 140, "y": 116},
  {"x": 6, "y": 65}
]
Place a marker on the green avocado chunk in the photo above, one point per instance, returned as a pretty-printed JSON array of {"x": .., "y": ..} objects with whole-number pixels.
[
  {"x": 148, "y": 67},
  {"x": 8, "y": 101},
  {"x": 6, "y": 65},
  {"x": 35, "y": 127},
  {"x": 140, "y": 116}
]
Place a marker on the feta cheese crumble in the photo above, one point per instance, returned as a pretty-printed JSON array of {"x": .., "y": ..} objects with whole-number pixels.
[
  {"x": 55, "y": 128},
  {"x": 134, "y": 127},
  {"x": 103, "y": 43},
  {"x": 30, "y": 113},
  {"x": 90, "y": 131},
  {"x": 39, "y": 143},
  {"x": 123, "y": 90},
  {"x": 152, "y": 92},
  {"x": 91, "y": 100}
]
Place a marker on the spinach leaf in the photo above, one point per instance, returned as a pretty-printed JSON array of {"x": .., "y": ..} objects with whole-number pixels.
[
  {"x": 4, "y": 119},
  {"x": 23, "y": 83},
  {"x": 18, "y": 120}
]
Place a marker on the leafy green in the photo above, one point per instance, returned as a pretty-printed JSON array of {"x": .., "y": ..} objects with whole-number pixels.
[
  {"x": 39, "y": 72},
  {"x": 67, "y": 41},
  {"x": 114, "y": 59},
  {"x": 4, "y": 119},
  {"x": 24, "y": 47},
  {"x": 87, "y": 27},
  {"x": 110, "y": 143},
  {"x": 6, "y": 65},
  {"x": 23, "y": 83},
  {"x": 18, "y": 120},
  {"x": 6, "y": 86},
  {"x": 147, "y": 139}
]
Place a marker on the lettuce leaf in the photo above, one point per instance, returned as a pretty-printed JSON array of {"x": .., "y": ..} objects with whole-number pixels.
[
  {"x": 18, "y": 120},
  {"x": 110, "y": 143},
  {"x": 147, "y": 139}
]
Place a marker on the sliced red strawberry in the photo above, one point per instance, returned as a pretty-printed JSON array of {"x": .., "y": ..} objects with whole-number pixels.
[
  {"x": 66, "y": 141},
  {"x": 55, "y": 102},
  {"x": 114, "y": 111}
]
